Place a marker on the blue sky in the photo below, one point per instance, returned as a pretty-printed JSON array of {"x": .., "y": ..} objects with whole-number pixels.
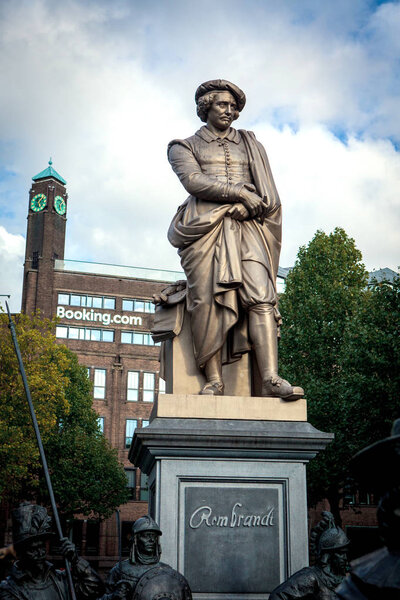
[{"x": 103, "y": 86}]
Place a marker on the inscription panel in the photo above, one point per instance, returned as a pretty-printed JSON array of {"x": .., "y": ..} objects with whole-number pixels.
[{"x": 233, "y": 537}]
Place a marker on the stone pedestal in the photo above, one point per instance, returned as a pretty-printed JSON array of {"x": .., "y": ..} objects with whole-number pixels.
[
  {"x": 182, "y": 375},
  {"x": 229, "y": 493}
]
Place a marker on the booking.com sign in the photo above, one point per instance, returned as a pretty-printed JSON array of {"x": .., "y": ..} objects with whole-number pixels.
[{"x": 97, "y": 317}]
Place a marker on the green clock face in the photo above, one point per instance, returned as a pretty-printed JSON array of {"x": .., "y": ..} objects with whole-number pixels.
[
  {"x": 59, "y": 205},
  {"x": 38, "y": 202}
]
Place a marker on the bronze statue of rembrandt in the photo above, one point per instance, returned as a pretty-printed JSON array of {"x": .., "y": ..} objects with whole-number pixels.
[{"x": 228, "y": 235}]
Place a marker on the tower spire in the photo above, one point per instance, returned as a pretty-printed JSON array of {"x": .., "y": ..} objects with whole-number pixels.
[{"x": 49, "y": 172}]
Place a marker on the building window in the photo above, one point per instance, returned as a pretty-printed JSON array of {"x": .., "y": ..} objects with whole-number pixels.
[
  {"x": 126, "y": 536},
  {"x": 149, "y": 385},
  {"x": 35, "y": 260},
  {"x": 161, "y": 386},
  {"x": 133, "y": 386},
  {"x": 144, "y": 488},
  {"x": 141, "y": 338},
  {"x": 92, "y": 538},
  {"x": 87, "y": 301},
  {"x": 131, "y": 483},
  {"x": 100, "y": 423},
  {"x": 84, "y": 333},
  {"x": 131, "y": 425},
  {"x": 145, "y": 423},
  {"x": 77, "y": 527},
  {"x": 61, "y": 332},
  {"x": 366, "y": 498},
  {"x": 99, "y": 391},
  {"x": 136, "y": 305}
]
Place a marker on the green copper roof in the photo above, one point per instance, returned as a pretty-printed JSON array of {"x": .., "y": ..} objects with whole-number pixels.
[{"x": 49, "y": 172}]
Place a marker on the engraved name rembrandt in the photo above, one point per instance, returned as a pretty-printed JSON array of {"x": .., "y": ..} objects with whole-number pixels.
[{"x": 236, "y": 518}]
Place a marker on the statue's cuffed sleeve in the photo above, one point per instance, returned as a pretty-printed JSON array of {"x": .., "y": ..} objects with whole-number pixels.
[{"x": 198, "y": 184}]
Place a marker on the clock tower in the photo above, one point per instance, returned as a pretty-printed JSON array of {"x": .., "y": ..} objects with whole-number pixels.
[{"x": 45, "y": 239}]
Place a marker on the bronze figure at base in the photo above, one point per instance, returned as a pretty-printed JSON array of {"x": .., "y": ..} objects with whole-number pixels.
[
  {"x": 32, "y": 577},
  {"x": 377, "y": 575},
  {"x": 329, "y": 544},
  {"x": 143, "y": 576},
  {"x": 228, "y": 235}
]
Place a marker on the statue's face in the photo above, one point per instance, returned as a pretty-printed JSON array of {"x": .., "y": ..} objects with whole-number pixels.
[
  {"x": 222, "y": 111},
  {"x": 33, "y": 552},
  {"x": 147, "y": 543},
  {"x": 339, "y": 564}
]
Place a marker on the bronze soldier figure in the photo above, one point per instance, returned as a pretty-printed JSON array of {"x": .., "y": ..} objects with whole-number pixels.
[
  {"x": 329, "y": 544},
  {"x": 32, "y": 577},
  {"x": 376, "y": 576},
  {"x": 228, "y": 235},
  {"x": 143, "y": 576}
]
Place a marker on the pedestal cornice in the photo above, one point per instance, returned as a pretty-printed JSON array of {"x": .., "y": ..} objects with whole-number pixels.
[{"x": 226, "y": 438}]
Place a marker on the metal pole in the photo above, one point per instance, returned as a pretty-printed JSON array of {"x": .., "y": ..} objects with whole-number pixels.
[
  {"x": 119, "y": 538},
  {"x": 41, "y": 449}
]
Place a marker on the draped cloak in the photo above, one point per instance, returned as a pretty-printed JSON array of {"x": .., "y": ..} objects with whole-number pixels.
[{"x": 212, "y": 246}]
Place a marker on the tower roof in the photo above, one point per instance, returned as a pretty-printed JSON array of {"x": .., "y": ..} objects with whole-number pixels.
[{"x": 49, "y": 172}]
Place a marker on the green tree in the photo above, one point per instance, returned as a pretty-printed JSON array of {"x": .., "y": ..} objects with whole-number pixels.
[
  {"x": 85, "y": 471},
  {"x": 323, "y": 295},
  {"x": 371, "y": 362}
]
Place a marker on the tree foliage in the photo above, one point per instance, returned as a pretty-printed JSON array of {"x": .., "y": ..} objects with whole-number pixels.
[
  {"x": 85, "y": 471},
  {"x": 339, "y": 342},
  {"x": 372, "y": 362}
]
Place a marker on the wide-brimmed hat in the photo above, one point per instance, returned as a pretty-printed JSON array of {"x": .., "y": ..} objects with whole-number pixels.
[
  {"x": 378, "y": 465},
  {"x": 222, "y": 85},
  {"x": 30, "y": 521}
]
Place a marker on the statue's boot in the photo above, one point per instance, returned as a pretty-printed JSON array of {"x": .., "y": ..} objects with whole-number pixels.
[
  {"x": 263, "y": 334},
  {"x": 211, "y": 388},
  {"x": 214, "y": 385}
]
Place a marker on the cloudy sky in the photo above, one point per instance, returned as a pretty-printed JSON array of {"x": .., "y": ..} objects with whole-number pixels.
[{"x": 102, "y": 86}]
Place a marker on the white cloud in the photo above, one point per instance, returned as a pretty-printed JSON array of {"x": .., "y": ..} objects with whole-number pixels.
[
  {"x": 12, "y": 252},
  {"x": 325, "y": 183}
]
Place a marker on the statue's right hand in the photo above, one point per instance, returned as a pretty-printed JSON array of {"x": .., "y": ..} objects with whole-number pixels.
[{"x": 253, "y": 202}]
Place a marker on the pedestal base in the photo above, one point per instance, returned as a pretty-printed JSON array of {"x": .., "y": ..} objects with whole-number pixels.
[
  {"x": 190, "y": 406},
  {"x": 230, "y": 498}
]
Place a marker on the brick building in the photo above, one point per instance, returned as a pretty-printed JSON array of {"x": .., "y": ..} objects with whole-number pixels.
[{"x": 105, "y": 316}]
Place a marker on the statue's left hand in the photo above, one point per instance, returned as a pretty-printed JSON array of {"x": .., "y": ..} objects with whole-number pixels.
[
  {"x": 239, "y": 212},
  {"x": 67, "y": 549}
]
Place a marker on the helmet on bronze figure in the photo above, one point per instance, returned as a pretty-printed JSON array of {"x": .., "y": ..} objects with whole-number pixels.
[
  {"x": 327, "y": 537},
  {"x": 146, "y": 523},
  {"x": 30, "y": 521}
]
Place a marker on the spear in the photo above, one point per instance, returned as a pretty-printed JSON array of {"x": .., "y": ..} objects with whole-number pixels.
[
  {"x": 119, "y": 538},
  {"x": 41, "y": 449}
]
